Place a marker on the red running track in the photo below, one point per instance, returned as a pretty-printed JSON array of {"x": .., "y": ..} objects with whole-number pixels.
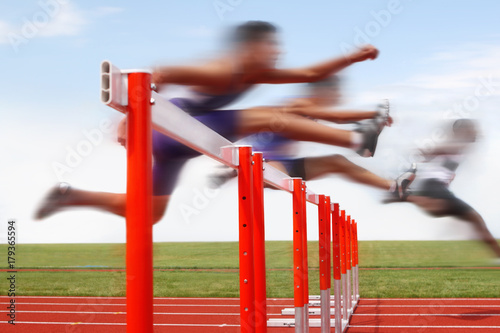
[{"x": 220, "y": 315}]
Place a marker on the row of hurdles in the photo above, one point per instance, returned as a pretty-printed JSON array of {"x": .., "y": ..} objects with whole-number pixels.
[{"x": 131, "y": 92}]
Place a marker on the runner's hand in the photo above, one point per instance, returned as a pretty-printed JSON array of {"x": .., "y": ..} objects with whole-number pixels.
[
  {"x": 121, "y": 135},
  {"x": 367, "y": 52}
]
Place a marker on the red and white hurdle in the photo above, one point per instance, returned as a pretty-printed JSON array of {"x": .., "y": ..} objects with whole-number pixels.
[
  {"x": 343, "y": 232},
  {"x": 131, "y": 92}
]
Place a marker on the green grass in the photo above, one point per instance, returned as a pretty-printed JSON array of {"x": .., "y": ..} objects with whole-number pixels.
[
  {"x": 430, "y": 283},
  {"x": 214, "y": 258},
  {"x": 424, "y": 254}
]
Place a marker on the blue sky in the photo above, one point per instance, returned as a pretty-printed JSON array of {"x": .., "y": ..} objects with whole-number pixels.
[{"x": 434, "y": 55}]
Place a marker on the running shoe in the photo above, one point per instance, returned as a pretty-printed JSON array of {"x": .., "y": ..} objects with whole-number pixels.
[
  {"x": 403, "y": 182},
  {"x": 370, "y": 129},
  {"x": 53, "y": 201}
]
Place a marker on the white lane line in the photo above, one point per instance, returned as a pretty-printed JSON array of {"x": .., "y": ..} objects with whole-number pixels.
[
  {"x": 124, "y": 312},
  {"x": 420, "y": 327},
  {"x": 427, "y": 314},
  {"x": 269, "y": 299},
  {"x": 118, "y": 324},
  {"x": 124, "y": 298},
  {"x": 431, "y": 299},
  {"x": 116, "y": 304},
  {"x": 156, "y": 298},
  {"x": 429, "y": 306}
]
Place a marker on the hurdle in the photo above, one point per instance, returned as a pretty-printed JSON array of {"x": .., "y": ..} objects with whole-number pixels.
[
  {"x": 344, "y": 251},
  {"x": 131, "y": 92}
]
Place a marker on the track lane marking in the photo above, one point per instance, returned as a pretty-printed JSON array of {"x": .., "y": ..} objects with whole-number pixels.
[
  {"x": 116, "y": 304},
  {"x": 419, "y": 327},
  {"x": 118, "y": 324},
  {"x": 429, "y": 306},
  {"x": 122, "y": 313},
  {"x": 427, "y": 314}
]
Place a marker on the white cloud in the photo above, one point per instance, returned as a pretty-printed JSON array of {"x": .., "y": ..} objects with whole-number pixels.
[
  {"x": 4, "y": 30},
  {"x": 460, "y": 67},
  {"x": 59, "y": 19},
  {"x": 68, "y": 22},
  {"x": 445, "y": 77}
]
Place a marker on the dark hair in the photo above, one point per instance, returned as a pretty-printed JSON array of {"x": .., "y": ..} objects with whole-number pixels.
[
  {"x": 252, "y": 31},
  {"x": 332, "y": 81},
  {"x": 463, "y": 123}
]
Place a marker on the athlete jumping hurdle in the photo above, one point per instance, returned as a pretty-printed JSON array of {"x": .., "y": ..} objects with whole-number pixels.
[
  {"x": 251, "y": 60},
  {"x": 431, "y": 189}
]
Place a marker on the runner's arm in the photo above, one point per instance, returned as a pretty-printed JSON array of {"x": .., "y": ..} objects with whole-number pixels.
[
  {"x": 319, "y": 71},
  {"x": 205, "y": 75}
]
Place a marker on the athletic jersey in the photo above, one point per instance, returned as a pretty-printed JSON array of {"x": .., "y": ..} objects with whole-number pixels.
[
  {"x": 272, "y": 145},
  {"x": 441, "y": 167},
  {"x": 170, "y": 155}
]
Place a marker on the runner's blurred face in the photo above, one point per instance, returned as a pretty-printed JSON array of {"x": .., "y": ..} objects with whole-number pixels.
[
  {"x": 466, "y": 133},
  {"x": 262, "y": 53}
]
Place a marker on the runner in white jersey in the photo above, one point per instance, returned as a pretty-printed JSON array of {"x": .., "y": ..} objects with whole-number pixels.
[{"x": 431, "y": 192}]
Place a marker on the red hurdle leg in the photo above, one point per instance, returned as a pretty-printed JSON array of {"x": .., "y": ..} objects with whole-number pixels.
[
  {"x": 298, "y": 255},
  {"x": 328, "y": 215},
  {"x": 245, "y": 206},
  {"x": 324, "y": 262},
  {"x": 337, "y": 266},
  {"x": 305, "y": 258},
  {"x": 139, "y": 206},
  {"x": 259, "y": 245},
  {"x": 355, "y": 261},
  {"x": 348, "y": 244},
  {"x": 343, "y": 265}
]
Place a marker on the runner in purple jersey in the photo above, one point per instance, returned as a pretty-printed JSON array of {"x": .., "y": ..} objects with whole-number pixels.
[{"x": 250, "y": 61}]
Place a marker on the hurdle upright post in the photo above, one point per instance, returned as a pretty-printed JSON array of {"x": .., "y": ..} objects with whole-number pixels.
[
  {"x": 348, "y": 244},
  {"x": 356, "y": 262},
  {"x": 324, "y": 262},
  {"x": 246, "y": 240},
  {"x": 343, "y": 256},
  {"x": 337, "y": 266},
  {"x": 139, "y": 252},
  {"x": 305, "y": 258},
  {"x": 328, "y": 213},
  {"x": 298, "y": 253},
  {"x": 259, "y": 245}
]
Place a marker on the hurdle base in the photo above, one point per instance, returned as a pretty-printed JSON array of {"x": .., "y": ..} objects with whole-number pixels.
[
  {"x": 314, "y": 303},
  {"x": 290, "y": 322},
  {"x": 318, "y": 304},
  {"x": 312, "y": 311}
]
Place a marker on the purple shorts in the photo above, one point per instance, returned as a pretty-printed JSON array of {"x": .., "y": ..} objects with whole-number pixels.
[{"x": 169, "y": 155}]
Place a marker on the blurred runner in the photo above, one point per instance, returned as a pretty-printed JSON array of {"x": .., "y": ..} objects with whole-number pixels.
[
  {"x": 250, "y": 60},
  {"x": 431, "y": 190}
]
